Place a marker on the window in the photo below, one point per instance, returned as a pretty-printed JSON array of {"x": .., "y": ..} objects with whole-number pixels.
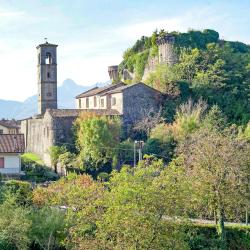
[
  {"x": 49, "y": 94},
  {"x": 48, "y": 59},
  {"x": 95, "y": 102},
  {"x": 47, "y": 132},
  {"x": 48, "y": 75},
  {"x": 80, "y": 103},
  {"x": 1, "y": 162},
  {"x": 87, "y": 102},
  {"x": 113, "y": 101},
  {"x": 1, "y": 131},
  {"x": 102, "y": 103}
]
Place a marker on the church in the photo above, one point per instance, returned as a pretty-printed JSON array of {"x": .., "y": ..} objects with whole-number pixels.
[{"x": 53, "y": 126}]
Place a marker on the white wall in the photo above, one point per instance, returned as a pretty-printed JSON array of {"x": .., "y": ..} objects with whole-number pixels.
[
  {"x": 91, "y": 102},
  {"x": 5, "y": 130},
  {"x": 12, "y": 164},
  {"x": 119, "y": 102}
]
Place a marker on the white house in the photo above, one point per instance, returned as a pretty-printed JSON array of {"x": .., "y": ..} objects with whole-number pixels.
[
  {"x": 9, "y": 127},
  {"x": 11, "y": 148}
]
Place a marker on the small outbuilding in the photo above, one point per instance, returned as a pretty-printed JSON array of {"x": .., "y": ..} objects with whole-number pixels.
[{"x": 11, "y": 148}]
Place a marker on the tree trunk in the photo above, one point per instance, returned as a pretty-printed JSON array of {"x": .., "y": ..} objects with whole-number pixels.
[{"x": 221, "y": 228}]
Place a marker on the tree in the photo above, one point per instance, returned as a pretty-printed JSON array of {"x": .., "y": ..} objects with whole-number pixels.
[
  {"x": 48, "y": 227},
  {"x": 134, "y": 216},
  {"x": 55, "y": 152},
  {"x": 217, "y": 167},
  {"x": 97, "y": 136},
  {"x": 14, "y": 225}
]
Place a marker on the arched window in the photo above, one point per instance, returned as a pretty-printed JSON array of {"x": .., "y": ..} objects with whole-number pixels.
[{"x": 48, "y": 59}]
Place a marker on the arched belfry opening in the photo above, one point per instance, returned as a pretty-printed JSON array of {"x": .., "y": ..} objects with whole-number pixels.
[{"x": 48, "y": 59}]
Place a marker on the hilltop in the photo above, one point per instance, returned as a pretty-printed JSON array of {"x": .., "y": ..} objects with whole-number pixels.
[{"x": 207, "y": 67}]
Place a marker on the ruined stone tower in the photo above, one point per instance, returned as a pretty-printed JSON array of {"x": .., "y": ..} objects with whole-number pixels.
[
  {"x": 47, "y": 77},
  {"x": 113, "y": 73},
  {"x": 166, "y": 50}
]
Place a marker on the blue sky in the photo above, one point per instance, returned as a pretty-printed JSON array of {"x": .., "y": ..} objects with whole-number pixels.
[{"x": 93, "y": 34}]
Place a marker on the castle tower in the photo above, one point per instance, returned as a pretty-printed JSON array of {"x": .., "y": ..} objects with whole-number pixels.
[
  {"x": 47, "y": 77},
  {"x": 113, "y": 73},
  {"x": 166, "y": 50}
]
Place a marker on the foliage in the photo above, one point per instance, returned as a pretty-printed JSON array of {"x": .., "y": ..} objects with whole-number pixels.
[
  {"x": 216, "y": 70},
  {"x": 35, "y": 169},
  {"x": 97, "y": 136},
  {"x": 14, "y": 225},
  {"x": 20, "y": 190},
  {"x": 55, "y": 152},
  {"x": 48, "y": 228},
  {"x": 217, "y": 167}
]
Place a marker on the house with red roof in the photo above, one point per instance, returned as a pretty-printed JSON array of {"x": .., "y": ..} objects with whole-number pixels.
[{"x": 11, "y": 148}]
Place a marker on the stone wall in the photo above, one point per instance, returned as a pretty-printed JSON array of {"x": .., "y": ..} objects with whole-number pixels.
[
  {"x": 150, "y": 66},
  {"x": 43, "y": 132},
  {"x": 138, "y": 101}
]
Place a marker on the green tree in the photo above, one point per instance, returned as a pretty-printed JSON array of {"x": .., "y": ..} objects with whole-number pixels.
[
  {"x": 97, "y": 136},
  {"x": 48, "y": 228},
  {"x": 217, "y": 167},
  {"x": 14, "y": 225}
]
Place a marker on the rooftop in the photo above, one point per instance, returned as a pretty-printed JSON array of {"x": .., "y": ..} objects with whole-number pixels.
[
  {"x": 63, "y": 112},
  {"x": 9, "y": 123},
  {"x": 122, "y": 88},
  {"x": 46, "y": 44},
  {"x": 11, "y": 143},
  {"x": 101, "y": 90}
]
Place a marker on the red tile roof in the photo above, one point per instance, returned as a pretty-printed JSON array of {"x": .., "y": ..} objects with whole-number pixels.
[{"x": 11, "y": 143}]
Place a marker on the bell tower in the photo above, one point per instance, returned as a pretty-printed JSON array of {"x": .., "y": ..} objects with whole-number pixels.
[{"x": 47, "y": 77}]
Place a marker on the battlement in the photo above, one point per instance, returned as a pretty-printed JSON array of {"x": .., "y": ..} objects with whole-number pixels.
[
  {"x": 167, "y": 53},
  {"x": 113, "y": 72},
  {"x": 169, "y": 39}
]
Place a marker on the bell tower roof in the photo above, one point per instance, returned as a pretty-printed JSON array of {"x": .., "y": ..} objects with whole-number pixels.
[{"x": 46, "y": 44}]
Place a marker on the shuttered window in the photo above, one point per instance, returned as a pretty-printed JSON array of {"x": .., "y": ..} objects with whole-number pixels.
[{"x": 1, "y": 162}]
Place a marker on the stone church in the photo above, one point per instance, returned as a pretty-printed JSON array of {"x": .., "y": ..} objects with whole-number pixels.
[{"x": 53, "y": 126}]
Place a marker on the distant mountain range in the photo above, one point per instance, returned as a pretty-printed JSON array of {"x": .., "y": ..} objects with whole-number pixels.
[{"x": 66, "y": 99}]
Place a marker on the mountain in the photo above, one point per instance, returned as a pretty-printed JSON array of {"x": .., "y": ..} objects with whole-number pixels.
[{"x": 66, "y": 99}]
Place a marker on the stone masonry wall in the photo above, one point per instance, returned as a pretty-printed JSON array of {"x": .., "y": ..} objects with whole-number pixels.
[{"x": 138, "y": 102}]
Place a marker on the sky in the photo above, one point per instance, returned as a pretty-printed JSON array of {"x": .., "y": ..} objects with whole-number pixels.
[{"x": 93, "y": 34}]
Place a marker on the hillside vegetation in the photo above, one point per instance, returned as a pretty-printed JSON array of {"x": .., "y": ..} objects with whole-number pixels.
[{"x": 216, "y": 70}]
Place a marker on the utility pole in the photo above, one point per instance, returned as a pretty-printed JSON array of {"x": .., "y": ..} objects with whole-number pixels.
[
  {"x": 140, "y": 150},
  {"x": 135, "y": 142},
  {"x": 140, "y": 146}
]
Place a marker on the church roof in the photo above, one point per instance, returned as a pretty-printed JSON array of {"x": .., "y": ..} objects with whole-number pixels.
[
  {"x": 12, "y": 143},
  {"x": 76, "y": 112},
  {"x": 63, "y": 112},
  {"x": 124, "y": 87},
  {"x": 101, "y": 90}
]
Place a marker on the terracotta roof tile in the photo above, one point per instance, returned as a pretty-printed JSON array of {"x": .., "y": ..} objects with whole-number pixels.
[{"x": 11, "y": 143}]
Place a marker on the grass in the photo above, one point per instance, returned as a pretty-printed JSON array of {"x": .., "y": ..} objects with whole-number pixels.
[{"x": 31, "y": 157}]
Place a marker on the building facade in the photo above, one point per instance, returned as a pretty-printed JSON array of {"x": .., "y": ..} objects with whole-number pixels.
[
  {"x": 131, "y": 102},
  {"x": 9, "y": 127},
  {"x": 11, "y": 148}
]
